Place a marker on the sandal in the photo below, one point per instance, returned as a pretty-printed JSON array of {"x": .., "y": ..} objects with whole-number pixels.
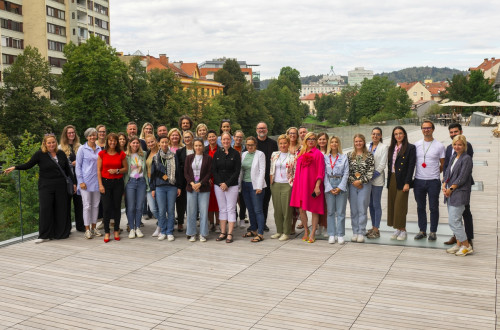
[
  {"x": 257, "y": 238},
  {"x": 229, "y": 240},
  {"x": 249, "y": 234},
  {"x": 221, "y": 237}
]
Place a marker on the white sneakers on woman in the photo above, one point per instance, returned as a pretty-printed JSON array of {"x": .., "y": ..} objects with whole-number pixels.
[{"x": 157, "y": 232}]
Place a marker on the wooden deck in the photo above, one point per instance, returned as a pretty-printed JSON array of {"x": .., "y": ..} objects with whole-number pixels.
[{"x": 146, "y": 284}]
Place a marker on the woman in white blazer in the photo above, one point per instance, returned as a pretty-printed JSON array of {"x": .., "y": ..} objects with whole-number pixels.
[
  {"x": 379, "y": 151},
  {"x": 253, "y": 170}
]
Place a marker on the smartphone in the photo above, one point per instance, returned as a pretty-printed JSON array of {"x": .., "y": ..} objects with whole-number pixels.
[{"x": 313, "y": 194}]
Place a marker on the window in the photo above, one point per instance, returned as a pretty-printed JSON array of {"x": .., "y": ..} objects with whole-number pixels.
[
  {"x": 414, "y": 93},
  {"x": 56, "y": 29},
  {"x": 100, "y": 23},
  {"x": 90, "y": 20},
  {"x": 8, "y": 59},
  {"x": 12, "y": 42},
  {"x": 90, "y": 4},
  {"x": 57, "y": 13},
  {"x": 57, "y": 62},
  {"x": 60, "y": 1},
  {"x": 11, "y": 25},
  {"x": 11, "y": 7},
  {"x": 100, "y": 9},
  {"x": 57, "y": 46}
]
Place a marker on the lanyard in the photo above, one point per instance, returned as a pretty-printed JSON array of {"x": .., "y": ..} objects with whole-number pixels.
[
  {"x": 424, "y": 165},
  {"x": 371, "y": 146},
  {"x": 281, "y": 163},
  {"x": 333, "y": 165}
]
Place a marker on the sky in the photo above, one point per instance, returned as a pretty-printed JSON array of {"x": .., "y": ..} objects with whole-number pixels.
[{"x": 312, "y": 35}]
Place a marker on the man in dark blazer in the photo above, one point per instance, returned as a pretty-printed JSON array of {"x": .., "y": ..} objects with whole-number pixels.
[{"x": 456, "y": 129}]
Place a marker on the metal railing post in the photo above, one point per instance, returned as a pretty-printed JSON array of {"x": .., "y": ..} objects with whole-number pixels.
[{"x": 20, "y": 205}]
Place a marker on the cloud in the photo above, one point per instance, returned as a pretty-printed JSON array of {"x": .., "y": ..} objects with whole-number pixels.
[{"x": 310, "y": 36}]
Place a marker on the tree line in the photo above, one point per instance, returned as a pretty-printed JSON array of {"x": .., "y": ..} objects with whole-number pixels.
[{"x": 96, "y": 87}]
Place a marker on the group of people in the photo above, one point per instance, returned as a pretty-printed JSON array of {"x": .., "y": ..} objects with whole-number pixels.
[{"x": 206, "y": 174}]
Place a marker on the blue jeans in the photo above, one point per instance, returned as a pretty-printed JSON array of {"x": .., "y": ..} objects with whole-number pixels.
[
  {"x": 455, "y": 222},
  {"x": 421, "y": 189},
  {"x": 153, "y": 206},
  {"x": 165, "y": 198},
  {"x": 375, "y": 205},
  {"x": 359, "y": 199},
  {"x": 335, "y": 205},
  {"x": 197, "y": 201},
  {"x": 254, "y": 203},
  {"x": 135, "y": 193}
]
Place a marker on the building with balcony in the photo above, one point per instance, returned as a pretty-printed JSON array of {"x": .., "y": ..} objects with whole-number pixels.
[
  {"x": 49, "y": 25},
  {"x": 356, "y": 76},
  {"x": 209, "y": 68}
]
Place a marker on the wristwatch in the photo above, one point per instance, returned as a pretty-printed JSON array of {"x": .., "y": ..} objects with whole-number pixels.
[
  {"x": 118, "y": 171},
  {"x": 451, "y": 188}
]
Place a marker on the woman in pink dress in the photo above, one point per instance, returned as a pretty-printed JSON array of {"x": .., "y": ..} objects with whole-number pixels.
[{"x": 307, "y": 191}]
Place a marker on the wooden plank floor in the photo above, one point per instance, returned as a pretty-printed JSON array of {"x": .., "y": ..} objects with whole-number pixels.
[{"x": 147, "y": 284}]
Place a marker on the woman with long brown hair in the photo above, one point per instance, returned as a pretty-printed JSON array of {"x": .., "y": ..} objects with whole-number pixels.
[{"x": 69, "y": 143}]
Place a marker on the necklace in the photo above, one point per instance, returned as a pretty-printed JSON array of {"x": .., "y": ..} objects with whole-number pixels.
[
  {"x": 424, "y": 165},
  {"x": 281, "y": 163}
]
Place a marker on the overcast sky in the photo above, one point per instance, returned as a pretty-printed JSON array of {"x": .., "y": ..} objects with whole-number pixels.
[{"x": 311, "y": 35}]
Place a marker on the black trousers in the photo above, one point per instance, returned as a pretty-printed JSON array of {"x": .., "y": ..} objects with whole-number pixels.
[
  {"x": 243, "y": 208},
  {"x": 111, "y": 202},
  {"x": 468, "y": 225},
  {"x": 54, "y": 220},
  {"x": 78, "y": 208},
  {"x": 180, "y": 205}
]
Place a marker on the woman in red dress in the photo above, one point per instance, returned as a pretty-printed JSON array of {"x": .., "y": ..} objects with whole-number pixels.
[{"x": 213, "y": 207}]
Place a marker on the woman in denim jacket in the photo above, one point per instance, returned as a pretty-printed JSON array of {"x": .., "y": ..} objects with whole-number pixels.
[{"x": 336, "y": 175}]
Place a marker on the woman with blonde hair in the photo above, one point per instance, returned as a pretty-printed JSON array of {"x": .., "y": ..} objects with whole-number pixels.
[
  {"x": 293, "y": 148},
  {"x": 308, "y": 187},
  {"x": 69, "y": 143},
  {"x": 136, "y": 184},
  {"x": 361, "y": 167},
  {"x": 175, "y": 140},
  {"x": 323, "y": 147},
  {"x": 282, "y": 174},
  {"x": 53, "y": 220},
  {"x": 336, "y": 175},
  {"x": 202, "y": 132},
  {"x": 146, "y": 130}
]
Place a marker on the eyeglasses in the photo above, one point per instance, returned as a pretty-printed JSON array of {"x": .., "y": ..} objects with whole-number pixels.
[
  {"x": 261, "y": 128},
  {"x": 101, "y": 132},
  {"x": 376, "y": 134}
]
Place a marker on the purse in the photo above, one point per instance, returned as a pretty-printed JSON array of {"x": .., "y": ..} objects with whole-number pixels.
[{"x": 69, "y": 182}]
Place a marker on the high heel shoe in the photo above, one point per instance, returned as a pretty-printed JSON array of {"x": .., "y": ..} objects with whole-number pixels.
[
  {"x": 106, "y": 240},
  {"x": 117, "y": 236}
]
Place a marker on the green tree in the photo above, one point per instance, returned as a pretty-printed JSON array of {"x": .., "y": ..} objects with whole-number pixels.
[
  {"x": 371, "y": 97},
  {"x": 140, "y": 94},
  {"x": 94, "y": 85},
  {"x": 10, "y": 225},
  {"x": 230, "y": 75},
  {"x": 480, "y": 88},
  {"x": 397, "y": 103},
  {"x": 24, "y": 98},
  {"x": 457, "y": 88},
  {"x": 293, "y": 76}
]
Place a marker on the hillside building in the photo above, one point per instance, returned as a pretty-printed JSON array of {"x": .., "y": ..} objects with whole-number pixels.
[
  {"x": 309, "y": 101},
  {"x": 209, "y": 68},
  {"x": 418, "y": 91},
  {"x": 489, "y": 67},
  {"x": 330, "y": 83}
]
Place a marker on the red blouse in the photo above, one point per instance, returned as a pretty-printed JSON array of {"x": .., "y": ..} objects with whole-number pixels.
[{"x": 111, "y": 162}]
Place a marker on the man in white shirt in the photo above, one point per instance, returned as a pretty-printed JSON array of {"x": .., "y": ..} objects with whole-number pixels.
[{"x": 430, "y": 160}]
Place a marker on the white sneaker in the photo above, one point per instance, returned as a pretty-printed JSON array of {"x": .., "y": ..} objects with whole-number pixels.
[
  {"x": 131, "y": 234},
  {"x": 242, "y": 223},
  {"x": 454, "y": 249},
  {"x": 354, "y": 238},
  {"x": 139, "y": 233},
  {"x": 361, "y": 239},
  {"x": 284, "y": 237},
  {"x": 97, "y": 232},
  {"x": 202, "y": 239},
  {"x": 402, "y": 236},
  {"x": 396, "y": 234},
  {"x": 277, "y": 235},
  {"x": 88, "y": 234},
  {"x": 100, "y": 225},
  {"x": 41, "y": 240},
  {"x": 161, "y": 237},
  {"x": 192, "y": 238},
  {"x": 331, "y": 240},
  {"x": 157, "y": 232},
  {"x": 464, "y": 251},
  {"x": 170, "y": 238},
  {"x": 341, "y": 240}
]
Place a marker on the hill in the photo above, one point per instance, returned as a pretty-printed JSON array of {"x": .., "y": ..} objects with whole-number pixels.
[{"x": 421, "y": 73}]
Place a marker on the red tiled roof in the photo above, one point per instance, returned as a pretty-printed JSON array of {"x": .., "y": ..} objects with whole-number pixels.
[
  {"x": 436, "y": 87},
  {"x": 311, "y": 97},
  {"x": 189, "y": 68},
  {"x": 406, "y": 85},
  {"x": 486, "y": 65},
  {"x": 155, "y": 63}
]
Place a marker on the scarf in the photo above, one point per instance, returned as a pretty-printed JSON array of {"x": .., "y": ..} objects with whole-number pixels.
[{"x": 168, "y": 161}]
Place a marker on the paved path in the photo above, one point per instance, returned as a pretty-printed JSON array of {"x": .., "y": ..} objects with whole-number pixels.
[{"x": 144, "y": 283}]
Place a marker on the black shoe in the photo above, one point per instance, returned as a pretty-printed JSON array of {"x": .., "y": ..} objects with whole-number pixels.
[
  {"x": 266, "y": 228},
  {"x": 432, "y": 236},
  {"x": 82, "y": 230},
  {"x": 420, "y": 235}
]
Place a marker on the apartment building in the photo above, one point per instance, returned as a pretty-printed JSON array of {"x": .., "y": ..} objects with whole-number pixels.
[{"x": 49, "y": 25}]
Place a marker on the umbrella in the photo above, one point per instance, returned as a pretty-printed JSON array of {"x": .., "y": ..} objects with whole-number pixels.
[
  {"x": 482, "y": 104},
  {"x": 455, "y": 104}
]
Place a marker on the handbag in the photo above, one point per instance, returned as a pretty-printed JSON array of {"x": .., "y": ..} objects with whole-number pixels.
[{"x": 69, "y": 182}]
